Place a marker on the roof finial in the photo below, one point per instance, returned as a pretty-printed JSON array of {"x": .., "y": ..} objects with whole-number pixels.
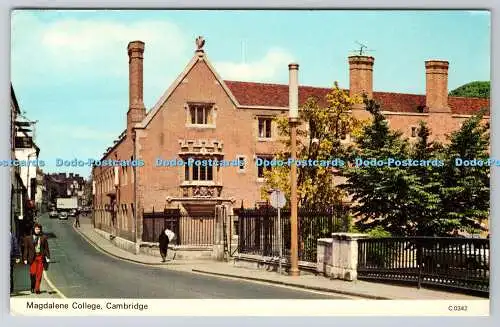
[{"x": 200, "y": 42}]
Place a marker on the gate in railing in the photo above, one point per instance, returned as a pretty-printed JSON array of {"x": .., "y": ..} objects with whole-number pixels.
[
  {"x": 460, "y": 263},
  {"x": 155, "y": 222},
  {"x": 196, "y": 229},
  {"x": 258, "y": 230}
]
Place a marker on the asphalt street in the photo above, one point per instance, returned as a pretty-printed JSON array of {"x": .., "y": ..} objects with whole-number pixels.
[{"x": 78, "y": 270}]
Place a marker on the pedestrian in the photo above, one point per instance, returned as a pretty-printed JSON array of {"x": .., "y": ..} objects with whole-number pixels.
[
  {"x": 15, "y": 257},
  {"x": 77, "y": 220},
  {"x": 165, "y": 238},
  {"x": 37, "y": 255}
]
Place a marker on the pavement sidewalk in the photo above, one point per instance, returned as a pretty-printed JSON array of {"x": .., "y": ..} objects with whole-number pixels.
[
  {"x": 22, "y": 284},
  {"x": 356, "y": 289}
]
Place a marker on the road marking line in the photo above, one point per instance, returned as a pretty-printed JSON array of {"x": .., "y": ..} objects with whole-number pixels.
[{"x": 51, "y": 285}]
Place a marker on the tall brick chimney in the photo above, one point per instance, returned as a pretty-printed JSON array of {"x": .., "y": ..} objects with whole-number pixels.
[
  {"x": 137, "y": 110},
  {"x": 361, "y": 75},
  {"x": 436, "y": 85}
]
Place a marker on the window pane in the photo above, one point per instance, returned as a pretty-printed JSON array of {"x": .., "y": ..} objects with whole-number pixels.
[
  {"x": 203, "y": 173},
  {"x": 268, "y": 128},
  {"x": 210, "y": 170},
  {"x": 261, "y": 128},
  {"x": 196, "y": 173},
  {"x": 199, "y": 115},
  {"x": 186, "y": 173},
  {"x": 260, "y": 170},
  {"x": 193, "y": 116},
  {"x": 206, "y": 110}
]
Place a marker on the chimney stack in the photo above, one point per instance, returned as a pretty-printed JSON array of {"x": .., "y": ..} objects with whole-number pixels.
[
  {"x": 361, "y": 75},
  {"x": 137, "y": 110},
  {"x": 436, "y": 85}
]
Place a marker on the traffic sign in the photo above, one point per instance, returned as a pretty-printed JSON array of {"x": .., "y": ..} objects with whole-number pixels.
[{"x": 278, "y": 199}]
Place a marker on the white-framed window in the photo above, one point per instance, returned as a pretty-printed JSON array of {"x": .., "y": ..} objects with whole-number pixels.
[
  {"x": 265, "y": 127},
  {"x": 242, "y": 163},
  {"x": 198, "y": 173},
  {"x": 200, "y": 113}
]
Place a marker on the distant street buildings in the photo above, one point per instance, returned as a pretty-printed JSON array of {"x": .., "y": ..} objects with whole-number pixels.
[{"x": 62, "y": 185}]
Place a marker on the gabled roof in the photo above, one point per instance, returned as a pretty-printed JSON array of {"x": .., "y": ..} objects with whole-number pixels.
[
  {"x": 276, "y": 95},
  {"x": 199, "y": 56}
]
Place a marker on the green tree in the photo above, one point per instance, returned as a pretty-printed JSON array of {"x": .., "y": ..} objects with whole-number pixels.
[
  {"x": 424, "y": 221},
  {"x": 399, "y": 198},
  {"x": 475, "y": 89},
  {"x": 319, "y": 137},
  {"x": 465, "y": 191},
  {"x": 379, "y": 194},
  {"x": 434, "y": 197}
]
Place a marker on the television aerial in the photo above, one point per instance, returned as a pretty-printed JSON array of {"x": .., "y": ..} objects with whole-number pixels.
[{"x": 363, "y": 49}]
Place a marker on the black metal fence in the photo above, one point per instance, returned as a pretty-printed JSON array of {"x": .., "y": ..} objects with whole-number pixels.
[
  {"x": 190, "y": 229},
  {"x": 461, "y": 263},
  {"x": 258, "y": 231}
]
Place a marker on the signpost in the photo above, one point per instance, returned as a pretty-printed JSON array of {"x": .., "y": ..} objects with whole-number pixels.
[{"x": 278, "y": 201}]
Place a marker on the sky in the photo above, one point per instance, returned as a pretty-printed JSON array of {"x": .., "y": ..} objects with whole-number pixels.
[{"x": 69, "y": 68}]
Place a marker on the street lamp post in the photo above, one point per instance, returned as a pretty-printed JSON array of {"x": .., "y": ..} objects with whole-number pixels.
[{"x": 293, "y": 120}]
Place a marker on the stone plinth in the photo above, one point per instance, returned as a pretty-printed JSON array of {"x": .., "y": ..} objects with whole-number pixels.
[{"x": 338, "y": 256}]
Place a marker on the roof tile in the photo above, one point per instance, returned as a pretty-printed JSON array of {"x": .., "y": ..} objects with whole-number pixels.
[{"x": 276, "y": 95}]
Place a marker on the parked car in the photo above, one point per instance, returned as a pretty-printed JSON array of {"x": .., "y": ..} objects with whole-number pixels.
[
  {"x": 53, "y": 214},
  {"x": 72, "y": 213},
  {"x": 63, "y": 215},
  {"x": 464, "y": 256}
]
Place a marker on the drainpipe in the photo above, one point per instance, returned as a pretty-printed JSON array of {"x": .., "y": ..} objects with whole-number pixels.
[{"x": 134, "y": 167}]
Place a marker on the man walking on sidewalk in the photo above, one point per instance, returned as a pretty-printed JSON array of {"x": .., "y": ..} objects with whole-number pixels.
[
  {"x": 15, "y": 257},
  {"x": 37, "y": 255}
]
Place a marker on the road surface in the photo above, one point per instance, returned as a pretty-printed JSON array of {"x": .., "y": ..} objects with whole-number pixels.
[{"x": 78, "y": 270}]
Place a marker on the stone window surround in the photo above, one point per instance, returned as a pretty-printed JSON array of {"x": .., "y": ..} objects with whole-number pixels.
[
  {"x": 200, "y": 149},
  {"x": 213, "y": 114},
  {"x": 273, "y": 132}
]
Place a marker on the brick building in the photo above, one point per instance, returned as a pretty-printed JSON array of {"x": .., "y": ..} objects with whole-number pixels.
[
  {"x": 62, "y": 185},
  {"x": 203, "y": 116}
]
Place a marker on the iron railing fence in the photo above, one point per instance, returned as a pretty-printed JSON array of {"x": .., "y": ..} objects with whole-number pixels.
[
  {"x": 258, "y": 231},
  {"x": 461, "y": 263}
]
